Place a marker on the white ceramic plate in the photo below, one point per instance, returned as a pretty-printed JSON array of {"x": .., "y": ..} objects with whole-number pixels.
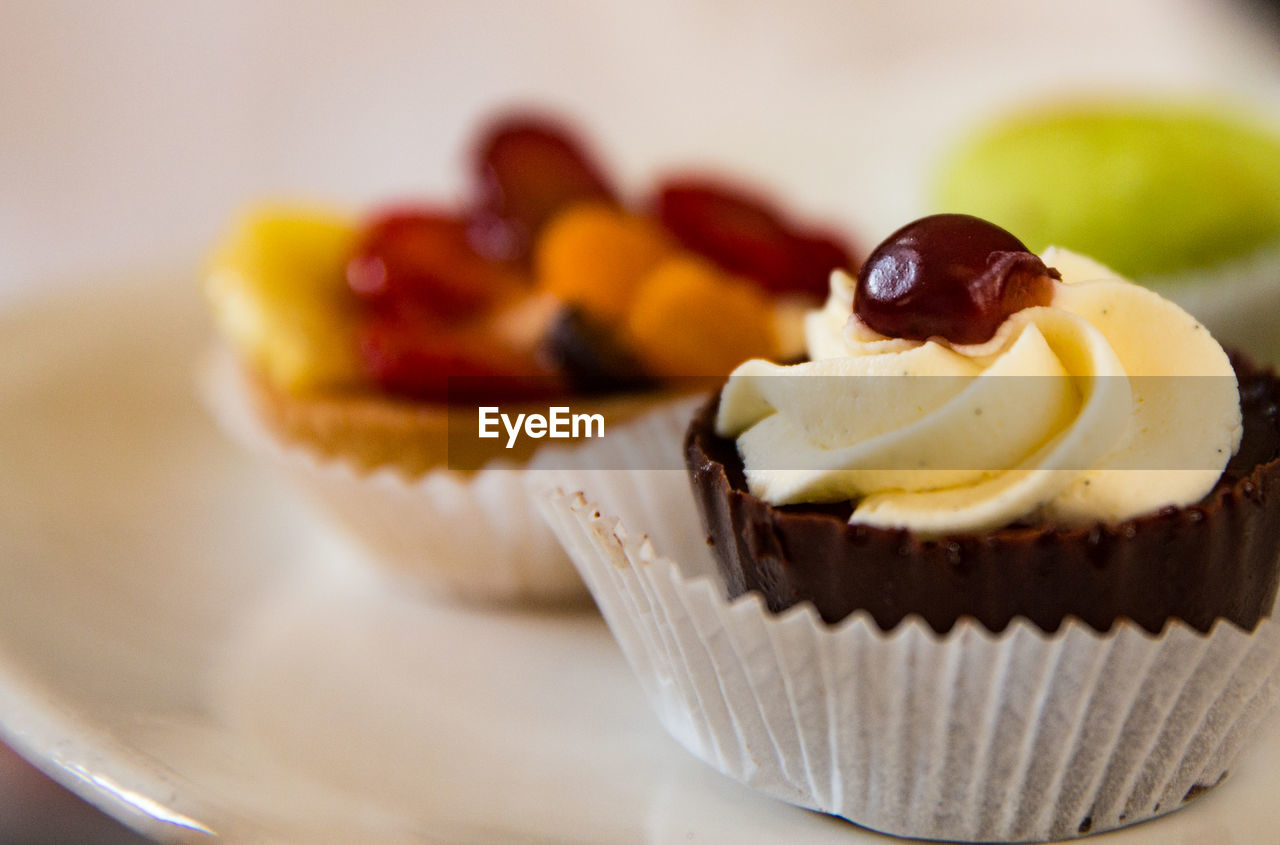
[{"x": 189, "y": 649}]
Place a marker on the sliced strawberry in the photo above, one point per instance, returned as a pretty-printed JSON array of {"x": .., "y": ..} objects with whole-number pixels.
[
  {"x": 423, "y": 256},
  {"x": 741, "y": 233},
  {"x": 423, "y": 359},
  {"x": 745, "y": 235},
  {"x": 815, "y": 255},
  {"x": 526, "y": 168}
]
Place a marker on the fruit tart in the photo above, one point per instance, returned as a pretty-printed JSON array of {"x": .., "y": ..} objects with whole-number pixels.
[
  {"x": 359, "y": 349},
  {"x": 998, "y": 563}
]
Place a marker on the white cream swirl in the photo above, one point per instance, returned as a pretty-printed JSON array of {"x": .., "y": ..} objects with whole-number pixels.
[{"x": 1073, "y": 412}]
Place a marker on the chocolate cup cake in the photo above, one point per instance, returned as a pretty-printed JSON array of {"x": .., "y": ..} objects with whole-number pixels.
[{"x": 1217, "y": 559}]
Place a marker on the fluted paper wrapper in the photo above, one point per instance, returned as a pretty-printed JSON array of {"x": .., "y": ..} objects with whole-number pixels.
[
  {"x": 473, "y": 537},
  {"x": 1016, "y": 736}
]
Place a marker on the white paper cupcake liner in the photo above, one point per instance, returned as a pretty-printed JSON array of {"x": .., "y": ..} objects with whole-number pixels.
[
  {"x": 475, "y": 537},
  {"x": 1017, "y": 736}
]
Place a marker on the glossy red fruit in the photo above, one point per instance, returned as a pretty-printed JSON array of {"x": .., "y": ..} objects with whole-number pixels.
[
  {"x": 418, "y": 358},
  {"x": 747, "y": 236},
  {"x": 424, "y": 258},
  {"x": 526, "y": 169},
  {"x": 949, "y": 275},
  {"x": 814, "y": 257}
]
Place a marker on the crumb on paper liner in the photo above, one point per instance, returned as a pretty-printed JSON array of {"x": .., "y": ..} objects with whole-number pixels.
[{"x": 1016, "y": 736}]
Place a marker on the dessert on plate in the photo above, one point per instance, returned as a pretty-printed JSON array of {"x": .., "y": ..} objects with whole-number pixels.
[
  {"x": 998, "y": 562},
  {"x": 353, "y": 345},
  {"x": 1181, "y": 196}
]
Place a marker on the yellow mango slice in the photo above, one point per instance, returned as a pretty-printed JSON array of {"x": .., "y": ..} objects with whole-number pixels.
[
  {"x": 278, "y": 292},
  {"x": 595, "y": 256},
  {"x": 689, "y": 318}
]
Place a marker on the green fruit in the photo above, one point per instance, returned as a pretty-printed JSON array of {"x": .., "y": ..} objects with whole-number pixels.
[{"x": 1148, "y": 189}]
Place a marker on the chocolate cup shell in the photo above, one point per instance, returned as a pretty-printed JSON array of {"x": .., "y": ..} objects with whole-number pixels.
[{"x": 1217, "y": 559}]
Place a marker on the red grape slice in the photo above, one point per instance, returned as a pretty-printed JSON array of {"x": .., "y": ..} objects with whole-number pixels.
[
  {"x": 424, "y": 257},
  {"x": 815, "y": 256},
  {"x": 526, "y": 169},
  {"x": 747, "y": 236},
  {"x": 949, "y": 275},
  {"x": 418, "y": 358}
]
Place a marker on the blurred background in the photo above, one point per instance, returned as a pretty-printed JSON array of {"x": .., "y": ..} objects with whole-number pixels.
[{"x": 133, "y": 129}]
